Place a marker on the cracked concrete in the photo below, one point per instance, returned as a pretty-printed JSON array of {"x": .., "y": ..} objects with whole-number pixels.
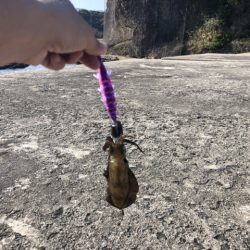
[{"x": 189, "y": 114}]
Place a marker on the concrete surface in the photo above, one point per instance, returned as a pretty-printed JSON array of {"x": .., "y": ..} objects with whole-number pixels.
[{"x": 192, "y": 119}]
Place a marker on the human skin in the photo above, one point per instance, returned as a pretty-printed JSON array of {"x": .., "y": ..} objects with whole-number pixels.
[{"x": 47, "y": 32}]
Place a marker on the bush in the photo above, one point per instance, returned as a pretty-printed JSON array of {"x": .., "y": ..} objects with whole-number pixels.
[{"x": 209, "y": 37}]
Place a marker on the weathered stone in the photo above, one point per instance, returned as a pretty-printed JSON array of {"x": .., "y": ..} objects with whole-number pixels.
[
  {"x": 137, "y": 28},
  {"x": 160, "y": 28},
  {"x": 180, "y": 204}
]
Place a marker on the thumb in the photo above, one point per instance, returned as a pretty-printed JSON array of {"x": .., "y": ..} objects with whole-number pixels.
[{"x": 96, "y": 48}]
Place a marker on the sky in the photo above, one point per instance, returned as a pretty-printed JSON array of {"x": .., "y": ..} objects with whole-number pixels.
[{"x": 90, "y": 4}]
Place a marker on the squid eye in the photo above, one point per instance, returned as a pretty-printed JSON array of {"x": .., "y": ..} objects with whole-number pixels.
[{"x": 125, "y": 160}]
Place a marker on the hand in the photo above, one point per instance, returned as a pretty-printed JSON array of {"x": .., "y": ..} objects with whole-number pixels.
[{"x": 47, "y": 32}]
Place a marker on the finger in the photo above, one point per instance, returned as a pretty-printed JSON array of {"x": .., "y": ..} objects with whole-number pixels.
[
  {"x": 72, "y": 58},
  {"x": 90, "y": 61},
  {"x": 36, "y": 59},
  {"x": 54, "y": 61},
  {"x": 89, "y": 42}
]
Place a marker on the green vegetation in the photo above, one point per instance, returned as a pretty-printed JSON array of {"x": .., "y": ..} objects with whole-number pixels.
[
  {"x": 240, "y": 45},
  {"x": 222, "y": 27},
  {"x": 210, "y": 36}
]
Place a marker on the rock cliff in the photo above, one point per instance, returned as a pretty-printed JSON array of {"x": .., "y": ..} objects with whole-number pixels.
[
  {"x": 159, "y": 28},
  {"x": 138, "y": 28}
]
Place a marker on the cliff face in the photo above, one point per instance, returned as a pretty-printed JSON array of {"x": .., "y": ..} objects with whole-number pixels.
[
  {"x": 137, "y": 27},
  {"x": 165, "y": 27}
]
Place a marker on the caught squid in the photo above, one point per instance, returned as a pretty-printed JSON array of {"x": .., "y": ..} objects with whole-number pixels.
[{"x": 122, "y": 183}]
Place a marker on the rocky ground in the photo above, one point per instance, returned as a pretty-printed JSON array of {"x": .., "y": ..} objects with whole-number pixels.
[{"x": 191, "y": 117}]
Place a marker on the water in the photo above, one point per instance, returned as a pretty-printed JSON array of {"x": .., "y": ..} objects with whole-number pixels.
[{"x": 28, "y": 69}]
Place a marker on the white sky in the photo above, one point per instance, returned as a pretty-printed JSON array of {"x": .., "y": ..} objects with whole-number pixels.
[{"x": 90, "y": 4}]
